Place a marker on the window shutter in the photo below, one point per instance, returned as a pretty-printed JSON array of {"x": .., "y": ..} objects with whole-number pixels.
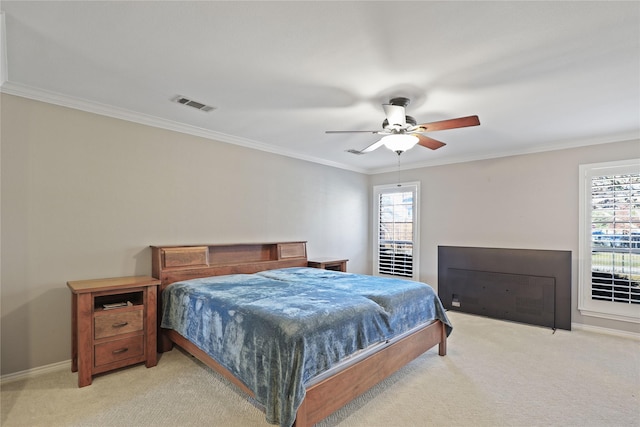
[
  {"x": 615, "y": 238},
  {"x": 396, "y": 230},
  {"x": 609, "y": 240}
]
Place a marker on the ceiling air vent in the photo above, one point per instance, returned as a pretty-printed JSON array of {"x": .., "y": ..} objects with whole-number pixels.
[{"x": 194, "y": 104}]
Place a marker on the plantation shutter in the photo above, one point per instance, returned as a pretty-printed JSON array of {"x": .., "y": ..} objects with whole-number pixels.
[
  {"x": 615, "y": 238},
  {"x": 396, "y": 230}
]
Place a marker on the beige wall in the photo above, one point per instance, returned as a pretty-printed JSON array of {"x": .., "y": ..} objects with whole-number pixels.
[
  {"x": 528, "y": 201},
  {"x": 83, "y": 196}
]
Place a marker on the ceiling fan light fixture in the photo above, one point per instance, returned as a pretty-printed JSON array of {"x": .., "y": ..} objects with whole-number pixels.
[
  {"x": 400, "y": 142},
  {"x": 402, "y": 133}
]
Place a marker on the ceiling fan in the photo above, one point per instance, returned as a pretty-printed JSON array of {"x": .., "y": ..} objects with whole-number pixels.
[{"x": 401, "y": 132}]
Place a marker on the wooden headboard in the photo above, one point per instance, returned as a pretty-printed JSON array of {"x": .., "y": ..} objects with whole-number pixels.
[{"x": 174, "y": 263}]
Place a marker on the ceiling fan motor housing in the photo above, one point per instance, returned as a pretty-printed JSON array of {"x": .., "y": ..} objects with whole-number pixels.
[
  {"x": 410, "y": 121},
  {"x": 400, "y": 101}
]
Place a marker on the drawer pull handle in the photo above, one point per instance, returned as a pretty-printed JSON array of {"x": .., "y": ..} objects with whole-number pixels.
[
  {"x": 120, "y": 351},
  {"x": 119, "y": 325}
]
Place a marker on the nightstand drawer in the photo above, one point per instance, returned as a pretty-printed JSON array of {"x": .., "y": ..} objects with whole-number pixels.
[
  {"x": 108, "y": 325},
  {"x": 117, "y": 350}
]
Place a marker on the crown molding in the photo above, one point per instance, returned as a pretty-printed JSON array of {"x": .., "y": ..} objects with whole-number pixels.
[
  {"x": 42, "y": 95},
  {"x": 561, "y": 145},
  {"x": 49, "y": 97}
]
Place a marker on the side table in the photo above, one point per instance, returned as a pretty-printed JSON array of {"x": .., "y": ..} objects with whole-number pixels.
[
  {"x": 113, "y": 324},
  {"x": 329, "y": 264}
]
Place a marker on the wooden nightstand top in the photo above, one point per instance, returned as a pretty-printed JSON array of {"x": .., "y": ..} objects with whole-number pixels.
[
  {"x": 321, "y": 260},
  {"x": 337, "y": 264},
  {"x": 114, "y": 283}
]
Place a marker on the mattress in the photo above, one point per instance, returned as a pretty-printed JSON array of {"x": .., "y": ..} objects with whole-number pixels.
[{"x": 276, "y": 330}]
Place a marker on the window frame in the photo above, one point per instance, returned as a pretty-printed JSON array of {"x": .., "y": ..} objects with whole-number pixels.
[
  {"x": 586, "y": 304},
  {"x": 414, "y": 187}
]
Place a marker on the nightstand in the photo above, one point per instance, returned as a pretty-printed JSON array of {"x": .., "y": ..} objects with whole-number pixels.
[
  {"x": 113, "y": 324},
  {"x": 329, "y": 264}
]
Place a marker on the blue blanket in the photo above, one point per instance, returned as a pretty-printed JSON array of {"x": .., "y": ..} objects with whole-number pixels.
[
  {"x": 406, "y": 302},
  {"x": 277, "y": 329}
]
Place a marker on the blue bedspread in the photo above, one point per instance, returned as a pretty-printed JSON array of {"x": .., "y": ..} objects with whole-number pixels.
[
  {"x": 277, "y": 329},
  {"x": 407, "y": 303}
]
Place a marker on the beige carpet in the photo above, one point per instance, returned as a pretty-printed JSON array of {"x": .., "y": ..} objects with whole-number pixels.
[{"x": 495, "y": 374}]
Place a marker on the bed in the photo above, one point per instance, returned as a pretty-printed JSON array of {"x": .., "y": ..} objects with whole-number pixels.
[{"x": 301, "y": 341}]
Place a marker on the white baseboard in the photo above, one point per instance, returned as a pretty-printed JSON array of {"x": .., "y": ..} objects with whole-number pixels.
[
  {"x": 34, "y": 372},
  {"x": 608, "y": 331},
  {"x": 29, "y": 373}
]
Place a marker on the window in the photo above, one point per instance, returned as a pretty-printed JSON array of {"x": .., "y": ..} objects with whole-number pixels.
[
  {"x": 609, "y": 247},
  {"x": 396, "y": 230}
]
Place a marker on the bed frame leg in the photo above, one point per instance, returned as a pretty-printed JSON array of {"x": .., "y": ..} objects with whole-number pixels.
[
  {"x": 442, "y": 346},
  {"x": 164, "y": 342}
]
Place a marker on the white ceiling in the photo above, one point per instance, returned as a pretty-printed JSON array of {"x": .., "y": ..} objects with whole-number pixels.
[{"x": 540, "y": 75}]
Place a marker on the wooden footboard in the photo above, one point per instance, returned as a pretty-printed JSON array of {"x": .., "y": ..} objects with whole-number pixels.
[{"x": 329, "y": 395}]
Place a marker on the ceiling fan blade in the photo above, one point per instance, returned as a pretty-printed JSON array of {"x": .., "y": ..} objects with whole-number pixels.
[
  {"x": 395, "y": 114},
  {"x": 372, "y": 147},
  {"x": 427, "y": 142},
  {"x": 460, "y": 122},
  {"x": 351, "y": 131}
]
